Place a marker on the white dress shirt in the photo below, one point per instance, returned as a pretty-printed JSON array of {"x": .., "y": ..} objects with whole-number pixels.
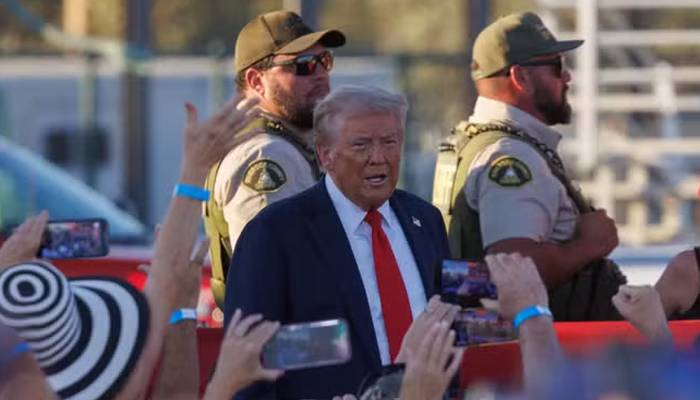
[{"x": 359, "y": 234}]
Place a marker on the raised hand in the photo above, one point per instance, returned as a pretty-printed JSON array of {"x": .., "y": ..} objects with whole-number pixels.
[{"x": 24, "y": 243}]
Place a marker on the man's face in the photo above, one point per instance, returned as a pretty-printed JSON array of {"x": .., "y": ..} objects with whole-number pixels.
[
  {"x": 293, "y": 97},
  {"x": 551, "y": 86},
  {"x": 363, "y": 158}
]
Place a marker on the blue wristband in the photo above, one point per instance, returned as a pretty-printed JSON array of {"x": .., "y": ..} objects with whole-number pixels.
[
  {"x": 530, "y": 312},
  {"x": 183, "y": 314},
  {"x": 20, "y": 348},
  {"x": 191, "y": 191}
]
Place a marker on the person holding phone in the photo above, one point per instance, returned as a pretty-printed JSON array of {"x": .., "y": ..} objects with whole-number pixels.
[
  {"x": 285, "y": 64},
  {"x": 352, "y": 246}
]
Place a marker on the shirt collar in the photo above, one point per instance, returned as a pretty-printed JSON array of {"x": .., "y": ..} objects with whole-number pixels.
[
  {"x": 305, "y": 137},
  {"x": 489, "y": 110},
  {"x": 350, "y": 213}
]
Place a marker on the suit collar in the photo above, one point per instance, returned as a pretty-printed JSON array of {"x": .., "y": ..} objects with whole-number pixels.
[{"x": 416, "y": 235}]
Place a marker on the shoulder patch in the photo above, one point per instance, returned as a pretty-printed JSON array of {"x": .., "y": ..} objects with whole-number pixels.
[
  {"x": 510, "y": 172},
  {"x": 264, "y": 176}
]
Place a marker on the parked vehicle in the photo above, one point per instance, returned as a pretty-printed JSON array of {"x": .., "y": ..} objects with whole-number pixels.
[{"x": 29, "y": 184}]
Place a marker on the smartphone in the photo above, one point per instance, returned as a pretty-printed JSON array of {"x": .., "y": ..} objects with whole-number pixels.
[
  {"x": 308, "y": 345},
  {"x": 465, "y": 283},
  {"x": 474, "y": 326},
  {"x": 75, "y": 239}
]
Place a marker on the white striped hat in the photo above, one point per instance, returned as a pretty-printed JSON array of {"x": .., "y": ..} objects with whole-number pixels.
[{"x": 85, "y": 333}]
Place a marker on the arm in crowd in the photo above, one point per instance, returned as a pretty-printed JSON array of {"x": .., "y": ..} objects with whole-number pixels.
[
  {"x": 25, "y": 380},
  {"x": 204, "y": 144},
  {"x": 430, "y": 369},
  {"x": 679, "y": 285},
  {"x": 180, "y": 347},
  {"x": 24, "y": 242},
  {"x": 239, "y": 359},
  {"x": 20, "y": 375},
  {"x": 595, "y": 237},
  {"x": 641, "y": 306},
  {"x": 520, "y": 286},
  {"x": 429, "y": 353}
]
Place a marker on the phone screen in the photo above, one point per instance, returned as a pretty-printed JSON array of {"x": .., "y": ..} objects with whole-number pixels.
[
  {"x": 478, "y": 326},
  {"x": 75, "y": 239},
  {"x": 465, "y": 283},
  {"x": 307, "y": 345}
]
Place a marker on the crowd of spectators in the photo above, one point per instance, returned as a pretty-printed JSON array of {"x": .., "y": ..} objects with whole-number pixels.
[{"x": 98, "y": 337}]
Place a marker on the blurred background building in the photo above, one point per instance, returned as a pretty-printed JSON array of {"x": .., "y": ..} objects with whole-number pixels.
[{"x": 98, "y": 87}]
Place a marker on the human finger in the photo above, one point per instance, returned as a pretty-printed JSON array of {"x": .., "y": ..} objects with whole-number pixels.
[
  {"x": 271, "y": 374},
  {"x": 192, "y": 114},
  {"x": 246, "y": 323},
  {"x": 246, "y": 104},
  {"x": 493, "y": 262},
  {"x": 443, "y": 345},
  {"x": 434, "y": 347},
  {"x": 445, "y": 348},
  {"x": 451, "y": 314},
  {"x": 456, "y": 361},
  {"x": 423, "y": 352},
  {"x": 39, "y": 223},
  {"x": 263, "y": 332},
  {"x": 234, "y": 322},
  {"x": 226, "y": 109},
  {"x": 145, "y": 268}
]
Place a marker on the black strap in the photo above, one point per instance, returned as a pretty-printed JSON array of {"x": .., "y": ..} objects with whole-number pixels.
[
  {"x": 553, "y": 160},
  {"x": 277, "y": 127}
]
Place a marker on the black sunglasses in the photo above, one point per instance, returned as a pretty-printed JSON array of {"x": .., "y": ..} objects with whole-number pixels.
[
  {"x": 557, "y": 63},
  {"x": 306, "y": 64}
]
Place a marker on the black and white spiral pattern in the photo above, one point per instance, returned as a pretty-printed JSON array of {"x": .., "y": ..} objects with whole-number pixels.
[{"x": 86, "y": 333}]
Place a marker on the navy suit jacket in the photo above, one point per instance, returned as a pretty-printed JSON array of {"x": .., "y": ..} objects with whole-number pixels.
[{"x": 293, "y": 263}]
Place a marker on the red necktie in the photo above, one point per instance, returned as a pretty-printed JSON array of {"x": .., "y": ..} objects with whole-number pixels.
[{"x": 392, "y": 292}]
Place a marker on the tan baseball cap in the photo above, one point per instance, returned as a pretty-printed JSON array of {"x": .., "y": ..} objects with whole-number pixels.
[
  {"x": 513, "y": 39},
  {"x": 278, "y": 32}
]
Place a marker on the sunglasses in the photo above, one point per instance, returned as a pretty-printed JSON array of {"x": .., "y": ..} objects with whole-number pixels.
[
  {"x": 557, "y": 63},
  {"x": 306, "y": 64}
]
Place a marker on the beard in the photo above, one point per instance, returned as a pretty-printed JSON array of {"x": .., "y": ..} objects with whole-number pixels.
[
  {"x": 554, "y": 111},
  {"x": 297, "y": 110}
]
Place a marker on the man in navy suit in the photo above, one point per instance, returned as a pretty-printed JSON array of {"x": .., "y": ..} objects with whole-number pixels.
[{"x": 350, "y": 247}]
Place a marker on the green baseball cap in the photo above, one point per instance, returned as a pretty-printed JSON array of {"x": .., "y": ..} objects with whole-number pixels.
[
  {"x": 279, "y": 32},
  {"x": 514, "y": 39}
]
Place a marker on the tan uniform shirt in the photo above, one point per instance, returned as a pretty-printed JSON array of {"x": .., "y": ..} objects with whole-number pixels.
[
  {"x": 266, "y": 157},
  {"x": 539, "y": 208}
]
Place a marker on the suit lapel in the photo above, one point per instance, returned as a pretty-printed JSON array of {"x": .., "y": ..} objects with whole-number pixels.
[
  {"x": 329, "y": 236},
  {"x": 416, "y": 237}
]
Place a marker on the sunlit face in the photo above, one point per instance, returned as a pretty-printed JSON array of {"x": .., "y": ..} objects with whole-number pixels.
[
  {"x": 363, "y": 158},
  {"x": 293, "y": 97},
  {"x": 551, "y": 86}
]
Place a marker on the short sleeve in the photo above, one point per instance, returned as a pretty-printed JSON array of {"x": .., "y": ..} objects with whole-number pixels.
[
  {"x": 261, "y": 171},
  {"x": 514, "y": 191}
]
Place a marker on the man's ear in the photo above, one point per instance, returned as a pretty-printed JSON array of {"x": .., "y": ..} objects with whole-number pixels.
[
  {"x": 325, "y": 156},
  {"x": 520, "y": 80},
  {"x": 254, "y": 80}
]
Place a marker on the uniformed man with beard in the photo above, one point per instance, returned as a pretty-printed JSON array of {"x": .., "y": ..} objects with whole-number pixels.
[
  {"x": 285, "y": 64},
  {"x": 501, "y": 185}
]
